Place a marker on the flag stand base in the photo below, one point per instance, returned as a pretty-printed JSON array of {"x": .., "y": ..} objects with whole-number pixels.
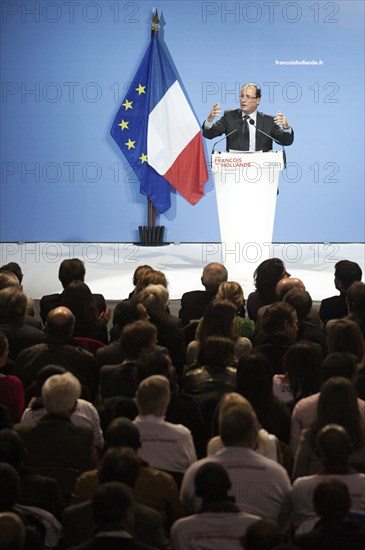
[{"x": 151, "y": 235}]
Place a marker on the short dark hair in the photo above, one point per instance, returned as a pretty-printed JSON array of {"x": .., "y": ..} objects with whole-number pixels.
[
  {"x": 14, "y": 268},
  {"x": 331, "y": 499},
  {"x": 300, "y": 300},
  {"x": 356, "y": 297},
  {"x": 256, "y": 86},
  {"x": 212, "y": 482},
  {"x": 347, "y": 272},
  {"x": 122, "y": 432},
  {"x": 137, "y": 336},
  {"x": 119, "y": 464},
  {"x": 111, "y": 502},
  {"x": 71, "y": 270},
  {"x": 275, "y": 316},
  {"x": 338, "y": 364}
]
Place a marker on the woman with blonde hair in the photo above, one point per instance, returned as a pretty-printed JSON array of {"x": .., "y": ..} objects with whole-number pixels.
[{"x": 232, "y": 291}]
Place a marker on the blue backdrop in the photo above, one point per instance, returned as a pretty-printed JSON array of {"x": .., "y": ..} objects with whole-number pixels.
[{"x": 66, "y": 65}]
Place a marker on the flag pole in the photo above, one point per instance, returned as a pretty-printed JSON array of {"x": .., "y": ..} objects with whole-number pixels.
[
  {"x": 151, "y": 210},
  {"x": 153, "y": 234}
]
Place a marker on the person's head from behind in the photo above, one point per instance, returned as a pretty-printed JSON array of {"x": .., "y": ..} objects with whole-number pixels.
[
  {"x": 150, "y": 277},
  {"x": 60, "y": 393},
  {"x": 355, "y": 297},
  {"x": 267, "y": 275},
  {"x": 333, "y": 445},
  {"x": 12, "y": 449},
  {"x": 4, "y": 349},
  {"x": 339, "y": 364},
  {"x": 119, "y": 464},
  {"x": 113, "y": 507},
  {"x": 157, "y": 362},
  {"x": 14, "y": 268},
  {"x": 7, "y": 278},
  {"x": 280, "y": 319},
  {"x": 216, "y": 351},
  {"x": 13, "y": 304},
  {"x": 212, "y": 483},
  {"x": 12, "y": 531},
  {"x": 254, "y": 378},
  {"x": 346, "y": 273},
  {"x": 126, "y": 312},
  {"x": 155, "y": 299},
  {"x": 263, "y": 534},
  {"x": 138, "y": 339},
  {"x": 302, "y": 362},
  {"x": 78, "y": 298},
  {"x": 60, "y": 322},
  {"x": 231, "y": 291},
  {"x": 284, "y": 285},
  {"x": 332, "y": 500},
  {"x": 345, "y": 335},
  {"x": 218, "y": 319},
  {"x": 122, "y": 432},
  {"x": 238, "y": 424},
  {"x": 140, "y": 272},
  {"x": 213, "y": 275},
  {"x": 71, "y": 270},
  {"x": 153, "y": 396},
  {"x": 300, "y": 300},
  {"x": 337, "y": 404}
]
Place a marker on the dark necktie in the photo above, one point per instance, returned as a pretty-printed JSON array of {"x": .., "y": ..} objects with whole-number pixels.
[{"x": 245, "y": 135}]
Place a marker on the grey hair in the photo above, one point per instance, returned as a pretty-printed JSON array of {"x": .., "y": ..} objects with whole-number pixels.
[{"x": 60, "y": 393}]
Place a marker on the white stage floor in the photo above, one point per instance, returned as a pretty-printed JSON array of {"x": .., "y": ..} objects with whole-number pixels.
[{"x": 110, "y": 266}]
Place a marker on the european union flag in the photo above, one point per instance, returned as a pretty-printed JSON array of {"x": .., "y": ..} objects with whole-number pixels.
[{"x": 130, "y": 128}]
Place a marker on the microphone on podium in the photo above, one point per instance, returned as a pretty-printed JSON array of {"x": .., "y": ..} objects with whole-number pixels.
[{"x": 251, "y": 121}]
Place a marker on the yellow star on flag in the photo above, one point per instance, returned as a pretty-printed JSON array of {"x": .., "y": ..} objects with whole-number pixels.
[
  {"x": 143, "y": 158},
  {"x": 124, "y": 124},
  {"x": 141, "y": 89},
  {"x": 130, "y": 144},
  {"x": 127, "y": 104}
]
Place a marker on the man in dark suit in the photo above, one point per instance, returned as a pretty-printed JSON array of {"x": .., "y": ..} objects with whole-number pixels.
[
  {"x": 70, "y": 270},
  {"x": 194, "y": 303},
  {"x": 248, "y": 136}
]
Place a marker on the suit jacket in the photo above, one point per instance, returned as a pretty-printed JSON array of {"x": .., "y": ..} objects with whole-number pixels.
[
  {"x": 58, "y": 351},
  {"x": 194, "y": 303},
  {"x": 232, "y": 120},
  {"x": 78, "y": 523},
  {"x": 51, "y": 301}
]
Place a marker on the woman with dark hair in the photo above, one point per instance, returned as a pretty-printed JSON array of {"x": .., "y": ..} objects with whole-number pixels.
[
  {"x": 337, "y": 404},
  {"x": 125, "y": 312},
  {"x": 344, "y": 335},
  {"x": 218, "y": 320},
  {"x": 78, "y": 298},
  {"x": 266, "y": 276},
  {"x": 214, "y": 370},
  {"x": 254, "y": 382},
  {"x": 301, "y": 364}
]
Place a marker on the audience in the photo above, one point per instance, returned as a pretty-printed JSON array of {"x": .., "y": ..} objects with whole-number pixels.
[{"x": 300, "y": 379}]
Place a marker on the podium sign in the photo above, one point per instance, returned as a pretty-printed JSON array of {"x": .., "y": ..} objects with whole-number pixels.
[{"x": 246, "y": 189}]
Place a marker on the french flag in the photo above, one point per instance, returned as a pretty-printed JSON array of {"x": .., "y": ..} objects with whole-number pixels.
[{"x": 174, "y": 141}]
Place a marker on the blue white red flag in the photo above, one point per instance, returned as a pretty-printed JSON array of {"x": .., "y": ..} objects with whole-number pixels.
[{"x": 158, "y": 133}]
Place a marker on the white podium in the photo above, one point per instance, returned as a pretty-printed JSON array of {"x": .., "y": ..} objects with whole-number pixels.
[{"x": 246, "y": 189}]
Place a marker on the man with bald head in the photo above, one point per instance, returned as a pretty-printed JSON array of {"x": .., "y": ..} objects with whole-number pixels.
[
  {"x": 59, "y": 349},
  {"x": 194, "y": 303}
]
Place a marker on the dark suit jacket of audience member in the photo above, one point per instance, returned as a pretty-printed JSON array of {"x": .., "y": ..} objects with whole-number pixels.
[
  {"x": 193, "y": 305},
  {"x": 118, "y": 380},
  {"x": 171, "y": 336},
  {"x": 333, "y": 308},
  {"x": 274, "y": 347},
  {"x": 41, "y": 491},
  {"x": 101, "y": 542},
  {"x": 113, "y": 354},
  {"x": 79, "y": 525},
  {"x": 342, "y": 535},
  {"x": 51, "y": 301},
  {"x": 312, "y": 333},
  {"x": 20, "y": 336},
  {"x": 58, "y": 351}
]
